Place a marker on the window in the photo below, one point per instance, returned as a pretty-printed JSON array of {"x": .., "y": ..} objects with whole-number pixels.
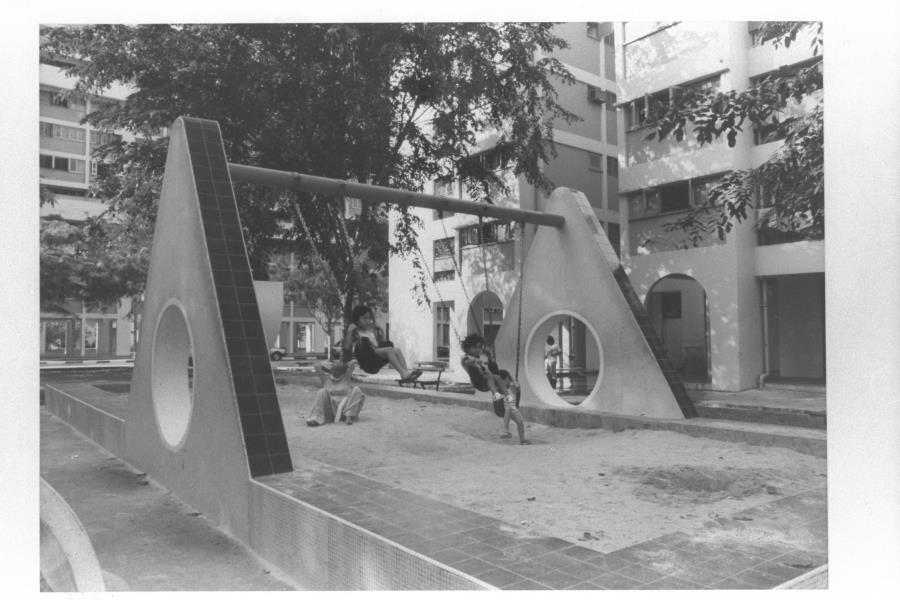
[
  {"x": 595, "y": 162},
  {"x": 674, "y": 197},
  {"x": 444, "y": 267},
  {"x": 445, "y": 188},
  {"x": 491, "y": 319},
  {"x": 301, "y": 331},
  {"x": 612, "y": 166},
  {"x": 638, "y": 111},
  {"x": 101, "y": 138},
  {"x": 635, "y": 204},
  {"x": 699, "y": 88},
  {"x": 497, "y": 158},
  {"x": 76, "y": 165},
  {"x": 449, "y": 190},
  {"x": 635, "y": 114},
  {"x": 353, "y": 207},
  {"x": 700, "y": 190},
  {"x": 443, "y": 312},
  {"x": 75, "y": 134},
  {"x": 488, "y": 233},
  {"x": 61, "y": 163},
  {"x": 57, "y": 100},
  {"x": 651, "y": 200},
  {"x": 775, "y": 129}
]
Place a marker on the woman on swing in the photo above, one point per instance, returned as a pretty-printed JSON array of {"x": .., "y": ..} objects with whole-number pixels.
[{"x": 364, "y": 340}]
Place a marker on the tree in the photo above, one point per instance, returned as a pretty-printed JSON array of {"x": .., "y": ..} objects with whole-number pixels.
[
  {"x": 393, "y": 104},
  {"x": 793, "y": 176},
  {"x": 312, "y": 283}
]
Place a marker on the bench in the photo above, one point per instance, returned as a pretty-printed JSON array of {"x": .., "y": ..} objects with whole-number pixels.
[{"x": 431, "y": 375}]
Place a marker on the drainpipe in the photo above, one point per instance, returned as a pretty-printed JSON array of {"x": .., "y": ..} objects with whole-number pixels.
[{"x": 764, "y": 304}]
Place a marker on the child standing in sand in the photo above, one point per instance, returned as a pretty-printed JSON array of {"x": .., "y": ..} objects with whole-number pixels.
[{"x": 487, "y": 376}]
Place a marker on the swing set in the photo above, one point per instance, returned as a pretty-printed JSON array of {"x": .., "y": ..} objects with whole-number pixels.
[
  {"x": 572, "y": 271},
  {"x": 211, "y": 437}
]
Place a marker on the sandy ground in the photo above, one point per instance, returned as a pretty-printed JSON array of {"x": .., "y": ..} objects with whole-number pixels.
[{"x": 597, "y": 488}]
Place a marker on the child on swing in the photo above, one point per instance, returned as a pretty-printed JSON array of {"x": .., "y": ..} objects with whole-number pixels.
[
  {"x": 364, "y": 340},
  {"x": 487, "y": 376}
]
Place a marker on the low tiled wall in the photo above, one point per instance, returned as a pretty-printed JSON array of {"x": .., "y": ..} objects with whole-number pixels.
[
  {"x": 73, "y": 406},
  {"x": 324, "y": 552}
]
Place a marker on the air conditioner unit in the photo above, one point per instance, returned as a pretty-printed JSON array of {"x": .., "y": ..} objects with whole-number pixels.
[{"x": 596, "y": 95}]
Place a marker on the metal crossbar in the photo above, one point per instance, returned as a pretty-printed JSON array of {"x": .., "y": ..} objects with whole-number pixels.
[{"x": 376, "y": 193}]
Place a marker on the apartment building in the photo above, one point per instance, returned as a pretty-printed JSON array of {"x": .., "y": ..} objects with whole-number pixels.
[
  {"x": 473, "y": 265},
  {"x": 734, "y": 313},
  {"x": 67, "y": 167}
]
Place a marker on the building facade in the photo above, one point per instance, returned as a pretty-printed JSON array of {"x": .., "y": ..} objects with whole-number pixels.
[
  {"x": 67, "y": 167},
  {"x": 473, "y": 265},
  {"x": 734, "y": 313}
]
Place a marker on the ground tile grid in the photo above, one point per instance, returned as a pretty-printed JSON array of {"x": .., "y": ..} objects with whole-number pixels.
[{"x": 488, "y": 549}]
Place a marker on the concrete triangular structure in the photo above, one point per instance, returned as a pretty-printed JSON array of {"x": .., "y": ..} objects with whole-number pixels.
[
  {"x": 574, "y": 271},
  {"x": 205, "y": 439}
]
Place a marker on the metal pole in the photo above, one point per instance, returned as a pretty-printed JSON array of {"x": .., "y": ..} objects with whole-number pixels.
[{"x": 376, "y": 193}]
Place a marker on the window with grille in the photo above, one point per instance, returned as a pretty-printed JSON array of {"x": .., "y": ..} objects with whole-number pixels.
[
  {"x": 487, "y": 233},
  {"x": 444, "y": 267},
  {"x": 443, "y": 312}
]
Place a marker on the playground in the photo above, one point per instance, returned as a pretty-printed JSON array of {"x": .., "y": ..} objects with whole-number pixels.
[
  {"x": 629, "y": 489},
  {"x": 594, "y": 487}
]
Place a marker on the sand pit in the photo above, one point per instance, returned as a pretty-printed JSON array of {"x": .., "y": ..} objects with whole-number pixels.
[{"x": 597, "y": 488}]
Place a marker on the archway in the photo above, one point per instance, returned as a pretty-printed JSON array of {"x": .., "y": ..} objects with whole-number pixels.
[
  {"x": 485, "y": 316},
  {"x": 678, "y": 308}
]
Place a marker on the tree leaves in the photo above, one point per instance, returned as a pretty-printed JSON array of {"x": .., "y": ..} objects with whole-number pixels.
[
  {"x": 793, "y": 177},
  {"x": 393, "y": 104}
]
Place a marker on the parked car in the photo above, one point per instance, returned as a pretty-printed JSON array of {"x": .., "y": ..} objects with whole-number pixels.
[{"x": 277, "y": 353}]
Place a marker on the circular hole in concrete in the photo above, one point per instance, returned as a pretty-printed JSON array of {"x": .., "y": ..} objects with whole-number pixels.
[
  {"x": 571, "y": 373},
  {"x": 172, "y": 374}
]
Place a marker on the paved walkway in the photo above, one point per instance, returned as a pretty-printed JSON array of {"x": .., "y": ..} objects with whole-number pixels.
[{"x": 145, "y": 538}]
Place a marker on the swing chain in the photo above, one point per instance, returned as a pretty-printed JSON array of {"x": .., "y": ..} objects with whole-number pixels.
[{"x": 521, "y": 290}]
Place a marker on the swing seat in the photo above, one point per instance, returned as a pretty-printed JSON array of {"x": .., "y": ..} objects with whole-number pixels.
[{"x": 369, "y": 361}]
